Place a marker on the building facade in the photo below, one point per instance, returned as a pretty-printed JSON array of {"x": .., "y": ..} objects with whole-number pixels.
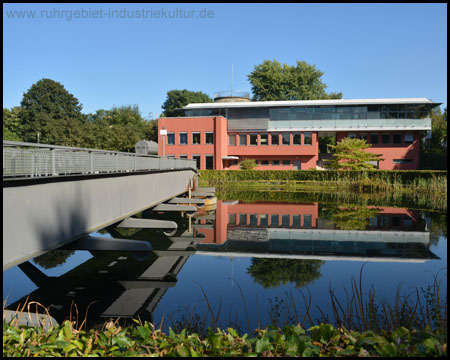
[{"x": 284, "y": 135}]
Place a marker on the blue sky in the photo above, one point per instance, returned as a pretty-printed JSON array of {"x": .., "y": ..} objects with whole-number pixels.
[{"x": 107, "y": 58}]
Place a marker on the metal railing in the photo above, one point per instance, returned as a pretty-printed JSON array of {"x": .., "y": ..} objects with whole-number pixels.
[
  {"x": 22, "y": 159},
  {"x": 234, "y": 93}
]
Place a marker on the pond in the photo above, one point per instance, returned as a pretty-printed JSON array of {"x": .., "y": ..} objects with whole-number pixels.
[{"x": 243, "y": 263}]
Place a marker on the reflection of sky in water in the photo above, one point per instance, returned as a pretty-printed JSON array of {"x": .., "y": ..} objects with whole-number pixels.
[
  {"x": 384, "y": 276},
  {"x": 214, "y": 274}
]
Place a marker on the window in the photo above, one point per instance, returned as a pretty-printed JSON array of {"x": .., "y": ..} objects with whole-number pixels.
[
  {"x": 232, "y": 139},
  {"x": 183, "y": 138},
  {"x": 253, "y": 219},
  {"x": 264, "y": 162},
  {"x": 263, "y": 220},
  {"x": 197, "y": 158},
  {"x": 274, "y": 220},
  {"x": 407, "y": 221},
  {"x": 409, "y": 137},
  {"x": 374, "y": 138},
  {"x": 242, "y": 219},
  {"x": 385, "y": 138},
  {"x": 402, "y": 161},
  {"x": 296, "y": 221},
  {"x": 253, "y": 139},
  {"x": 396, "y": 221},
  {"x": 243, "y": 139},
  {"x": 286, "y": 162},
  {"x": 275, "y": 139},
  {"x": 196, "y": 138},
  {"x": 263, "y": 139},
  {"x": 352, "y": 136},
  {"x": 183, "y": 156},
  {"x": 296, "y": 138},
  {"x": 231, "y": 219},
  {"x": 397, "y": 138},
  {"x": 307, "y": 221},
  {"x": 285, "y": 220},
  {"x": 307, "y": 138},
  {"x": 363, "y": 136},
  {"x": 275, "y": 162},
  {"x": 286, "y": 139},
  {"x": 373, "y": 222},
  {"x": 171, "y": 139},
  {"x": 209, "y": 161},
  {"x": 209, "y": 138}
]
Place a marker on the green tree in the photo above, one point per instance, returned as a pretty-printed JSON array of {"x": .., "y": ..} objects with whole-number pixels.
[
  {"x": 276, "y": 272},
  {"x": 438, "y": 129},
  {"x": 119, "y": 128},
  {"x": 350, "y": 154},
  {"x": 274, "y": 81},
  {"x": 248, "y": 164},
  {"x": 12, "y": 125},
  {"x": 347, "y": 217},
  {"x": 48, "y": 108},
  {"x": 176, "y": 99}
]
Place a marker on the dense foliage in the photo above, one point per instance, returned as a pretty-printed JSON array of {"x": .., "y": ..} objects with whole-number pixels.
[
  {"x": 349, "y": 154},
  {"x": 274, "y": 272},
  {"x": 49, "y": 114},
  {"x": 248, "y": 164},
  {"x": 145, "y": 340},
  {"x": 274, "y": 81},
  {"x": 403, "y": 176},
  {"x": 176, "y": 99}
]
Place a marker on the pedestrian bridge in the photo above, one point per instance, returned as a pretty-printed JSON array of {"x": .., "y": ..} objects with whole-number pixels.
[{"x": 54, "y": 195}]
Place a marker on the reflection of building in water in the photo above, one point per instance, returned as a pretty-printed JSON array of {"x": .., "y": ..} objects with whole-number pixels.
[{"x": 295, "y": 230}]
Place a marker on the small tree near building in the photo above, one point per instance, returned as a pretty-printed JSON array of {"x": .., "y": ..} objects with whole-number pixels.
[
  {"x": 350, "y": 154},
  {"x": 248, "y": 164}
]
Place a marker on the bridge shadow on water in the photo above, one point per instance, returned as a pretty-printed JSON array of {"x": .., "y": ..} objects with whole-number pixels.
[{"x": 111, "y": 283}]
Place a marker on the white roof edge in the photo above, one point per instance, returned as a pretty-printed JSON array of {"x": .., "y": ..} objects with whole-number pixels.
[{"x": 309, "y": 102}]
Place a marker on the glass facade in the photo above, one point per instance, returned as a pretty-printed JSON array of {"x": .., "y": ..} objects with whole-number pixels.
[{"x": 349, "y": 116}]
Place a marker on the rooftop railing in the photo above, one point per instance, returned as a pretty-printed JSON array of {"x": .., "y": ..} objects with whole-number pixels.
[
  {"x": 234, "y": 93},
  {"x": 21, "y": 160}
]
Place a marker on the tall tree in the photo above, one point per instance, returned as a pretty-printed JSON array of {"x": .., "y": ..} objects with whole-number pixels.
[
  {"x": 350, "y": 154},
  {"x": 274, "y": 81},
  {"x": 49, "y": 109},
  {"x": 176, "y": 99},
  {"x": 276, "y": 272}
]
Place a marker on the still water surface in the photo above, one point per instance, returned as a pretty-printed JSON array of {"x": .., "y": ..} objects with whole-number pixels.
[{"x": 243, "y": 258}]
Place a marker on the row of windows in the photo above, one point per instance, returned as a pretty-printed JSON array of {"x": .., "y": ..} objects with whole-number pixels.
[
  {"x": 209, "y": 160},
  {"x": 348, "y": 112},
  {"x": 326, "y": 112},
  {"x": 273, "y": 137},
  {"x": 386, "y": 138},
  {"x": 274, "y": 220},
  {"x": 196, "y": 138}
]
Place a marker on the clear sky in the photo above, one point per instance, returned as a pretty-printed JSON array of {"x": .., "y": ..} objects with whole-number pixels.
[{"x": 105, "y": 55}]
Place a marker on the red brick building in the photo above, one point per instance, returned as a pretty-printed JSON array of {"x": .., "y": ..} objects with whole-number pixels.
[{"x": 283, "y": 135}]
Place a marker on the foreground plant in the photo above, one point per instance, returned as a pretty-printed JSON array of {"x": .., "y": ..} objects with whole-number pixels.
[{"x": 145, "y": 340}]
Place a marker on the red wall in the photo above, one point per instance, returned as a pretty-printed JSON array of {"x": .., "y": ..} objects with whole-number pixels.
[
  {"x": 307, "y": 154},
  {"x": 392, "y": 151}
]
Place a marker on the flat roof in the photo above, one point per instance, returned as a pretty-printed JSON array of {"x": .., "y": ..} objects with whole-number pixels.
[{"x": 256, "y": 104}]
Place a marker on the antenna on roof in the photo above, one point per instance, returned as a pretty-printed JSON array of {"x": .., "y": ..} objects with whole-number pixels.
[{"x": 231, "y": 79}]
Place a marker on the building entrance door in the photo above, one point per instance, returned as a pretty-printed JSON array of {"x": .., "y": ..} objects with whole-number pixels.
[{"x": 297, "y": 165}]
